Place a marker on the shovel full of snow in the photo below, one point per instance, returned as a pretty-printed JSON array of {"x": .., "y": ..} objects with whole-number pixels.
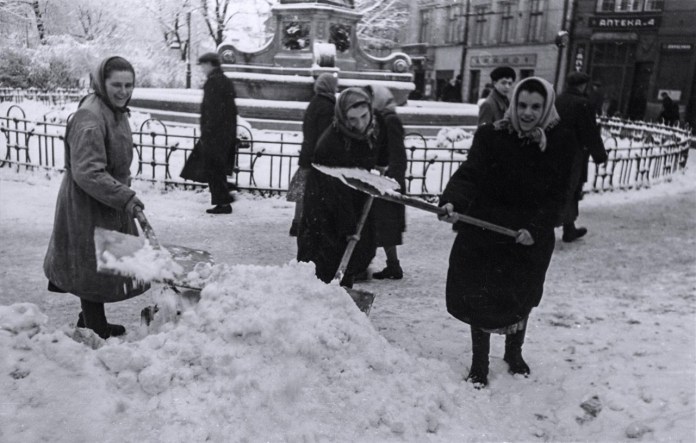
[
  {"x": 145, "y": 258},
  {"x": 387, "y": 189}
]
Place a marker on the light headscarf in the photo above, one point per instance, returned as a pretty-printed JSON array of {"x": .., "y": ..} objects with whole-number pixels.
[
  {"x": 98, "y": 81},
  {"x": 382, "y": 98},
  {"x": 326, "y": 85},
  {"x": 350, "y": 98},
  {"x": 549, "y": 116}
]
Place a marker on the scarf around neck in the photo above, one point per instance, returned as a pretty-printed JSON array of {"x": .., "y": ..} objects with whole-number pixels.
[{"x": 549, "y": 116}]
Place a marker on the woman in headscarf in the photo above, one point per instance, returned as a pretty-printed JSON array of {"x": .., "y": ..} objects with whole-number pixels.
[
  {"x": 317, "y": 117},
  {"x": 95, "y": 192},
  {"x": 332, "y": 209},
  {"x": 515, "y": 175}
]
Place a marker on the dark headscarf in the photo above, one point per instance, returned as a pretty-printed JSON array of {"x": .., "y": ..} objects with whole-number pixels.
[
  {"x": 98, "y": 80},
  {"x": 326, "y": 85},
  {"x": 348, "y": 99}
]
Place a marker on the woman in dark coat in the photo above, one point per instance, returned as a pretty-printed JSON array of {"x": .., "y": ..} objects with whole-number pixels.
[
  {"x": 317, "y": 118},
  {"x": 515, "y": 175},
  {"x": 391, "y": 158},
  {"x": 332, "y": 209},
  {"x": 95, "y": 192}
]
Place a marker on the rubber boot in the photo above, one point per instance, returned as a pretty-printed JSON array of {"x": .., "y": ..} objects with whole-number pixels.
[
  {"x": 392, "y": 271},
  {"x": 95, "y": 318},
  {"x": 480, "y": 347},
  {"x": 114, "y": 329},
  {"x": 513, "y": 353}
]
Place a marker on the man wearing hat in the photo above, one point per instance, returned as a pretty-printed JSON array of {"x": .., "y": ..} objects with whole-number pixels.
[
  {"x": 576, "y": 111},
  {"x": 218, "y": 131},
  {"x": 495, "y": 105}
]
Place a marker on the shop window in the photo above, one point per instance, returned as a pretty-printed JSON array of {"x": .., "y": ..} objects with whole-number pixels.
[
  {"x": 424, "y": 31},
  {"x": 536, "y": 16},
  {"x": 524, "y": 73},
  {"x": 481, "y": 13},
  {"x": 506, "y": 21},
  {"x": 653, "y": 5},
  {"x": 629, "y": 5}
]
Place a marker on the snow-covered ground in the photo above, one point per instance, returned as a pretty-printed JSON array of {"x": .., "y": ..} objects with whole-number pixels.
[{"x": 272, "y": 354}]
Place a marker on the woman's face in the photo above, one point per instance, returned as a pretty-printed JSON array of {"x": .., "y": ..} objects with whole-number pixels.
[
  {"x": 119, "y": 87},
  {"x": 358, "y": 118},
  {"x": 530, "y": 106}
]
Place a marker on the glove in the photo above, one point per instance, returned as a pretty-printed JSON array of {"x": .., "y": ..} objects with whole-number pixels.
[{"x": 133, "y": 203}]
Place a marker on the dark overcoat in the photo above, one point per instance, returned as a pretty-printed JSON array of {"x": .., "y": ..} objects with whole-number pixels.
[
  {"x": 219, "y": 120},
  {"x": 332, "y": 210},
  {"x": 493, "y": 108},
  {"x": 94, "y": 192},
  {"x": 317, "y": 118},
  {"x": 492, "y": 281},
  {"x": 390, "y": 218},
  {"x": 576, "y": 112}
]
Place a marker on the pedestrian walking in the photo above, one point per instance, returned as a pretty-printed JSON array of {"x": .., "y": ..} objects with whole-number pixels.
[
  {"x": 95, "y": 191},
  {"x": 218, "y": 132},
  {"x": 576, "y": 110},
  {"x": 317, "y": 117},
  {"x": 390, "y": 217},
  {"x": 669, "y": 114},
  {"x": 495, "y": 105},
  {"x": 515, "y": 175},
  {"x": 332, "y": 209}
]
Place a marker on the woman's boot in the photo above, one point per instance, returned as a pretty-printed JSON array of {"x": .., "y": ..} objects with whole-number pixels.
[
  {"x": 513, "y": 353},
  {"x": 94, "y": 318},
  {"x": 480, "y": 347}
]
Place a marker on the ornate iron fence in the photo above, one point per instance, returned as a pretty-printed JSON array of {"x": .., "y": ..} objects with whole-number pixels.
[{"x": 639, "y": 154}]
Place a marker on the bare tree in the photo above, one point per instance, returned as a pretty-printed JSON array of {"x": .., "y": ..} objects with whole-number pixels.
[
  {"x": 381, "y": 23},
  {"x": 94, "y": 23},
  {"x": 17, "y": 6},
  {"x": 218, "y": 14}
]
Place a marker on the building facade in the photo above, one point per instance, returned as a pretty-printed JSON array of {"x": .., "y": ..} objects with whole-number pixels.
[
  {"x": 638, "y": 49},
  {"x": 474, "y": 37}
]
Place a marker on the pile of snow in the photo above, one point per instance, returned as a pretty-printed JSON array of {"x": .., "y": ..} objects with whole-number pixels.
[{"x": 455, "y": 138}]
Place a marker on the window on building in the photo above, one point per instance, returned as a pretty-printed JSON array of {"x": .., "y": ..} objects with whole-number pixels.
[
  {"x": 506, "y": 20},
  {"x": 629, "y": 5},
  {"x": 481, "y": 14},
  {"x": 454, "y": 19},
  {"x": 424, "y": 31},
  {"x": 536, "y": 16}
]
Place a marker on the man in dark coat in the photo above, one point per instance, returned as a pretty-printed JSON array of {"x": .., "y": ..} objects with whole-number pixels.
[
  {"x": 331, "y": 208},
  {"x": 669, "y": 114},
  {"x": 576, "y": 110},
  {"x": 218, "y": 131},
  {"x": 493, "y": 108}
]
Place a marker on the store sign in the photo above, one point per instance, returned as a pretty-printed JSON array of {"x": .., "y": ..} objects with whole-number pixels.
[
  {"x": 484, "y": 61},
  {"x": 626, "y": 22},
  {"x": 677, "y": 47}
]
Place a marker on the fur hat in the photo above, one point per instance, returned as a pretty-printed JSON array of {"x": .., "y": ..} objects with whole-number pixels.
[
  {"x": 575, "y": 79},
  {"x": 210, "y": 57},
  {"x": 503, "y": 72}
]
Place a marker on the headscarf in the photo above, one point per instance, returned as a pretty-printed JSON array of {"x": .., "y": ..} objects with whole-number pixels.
[
  {"x": 382, "y": 98},
  {"x": 98, "y": 82},
  {"x": 326, "y": 85},
  {"x": 549, "y": 116},
  {"x": 348, "y": 99}
]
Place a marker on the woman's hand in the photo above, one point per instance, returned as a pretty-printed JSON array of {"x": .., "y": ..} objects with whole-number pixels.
[
  {"x": 524, "y": 237},
  {"x": 133, "y": 203},
  {"x": 448, "y": 215}
]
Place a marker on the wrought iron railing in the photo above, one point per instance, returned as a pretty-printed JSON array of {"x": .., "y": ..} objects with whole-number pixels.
[{"x": 639, "y": 154}]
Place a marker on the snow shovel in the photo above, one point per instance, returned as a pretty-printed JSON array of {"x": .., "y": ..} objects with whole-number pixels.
[
  {"x": 123, "y": 254},
  {"x": 361, "y": 297},
  {"x": 387, "y": 189}
]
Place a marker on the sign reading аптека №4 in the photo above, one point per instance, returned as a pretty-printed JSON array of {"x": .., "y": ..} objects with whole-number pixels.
[{"x": 624, "y": 22}]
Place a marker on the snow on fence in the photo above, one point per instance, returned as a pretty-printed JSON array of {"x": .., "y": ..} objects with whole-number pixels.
[
  {"x": 639, "y": 153},
  {"x": 59, "y": 96}
]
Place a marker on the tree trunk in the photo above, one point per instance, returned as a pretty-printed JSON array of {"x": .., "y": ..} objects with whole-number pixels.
[{"x": 39, "y": 21}]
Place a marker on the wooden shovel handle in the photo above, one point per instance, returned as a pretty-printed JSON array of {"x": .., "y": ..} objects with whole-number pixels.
[{"x": 146, "y": 227}]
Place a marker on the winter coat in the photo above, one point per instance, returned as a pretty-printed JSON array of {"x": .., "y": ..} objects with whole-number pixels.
[
  {"x": 94, "y": 192},
  {"x": 318, "y": 116},
  {"x": 219, "y": 120},
  {"x": 492, "y": 281},
  {"x": 331, "y": 209},
  {"x": 390, "y": 218},
  {"x": 493, "y": 108},
  {"x": 669, "y": 114},
  {"x": 576, "y": 111}
]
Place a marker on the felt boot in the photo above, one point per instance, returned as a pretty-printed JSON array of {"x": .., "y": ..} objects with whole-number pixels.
[
  {"x": 513, "y": 353},
  {"x": 480, "y": 347}
]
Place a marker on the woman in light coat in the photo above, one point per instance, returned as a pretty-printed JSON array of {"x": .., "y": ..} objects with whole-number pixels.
[{"x": 95, "y": 192}]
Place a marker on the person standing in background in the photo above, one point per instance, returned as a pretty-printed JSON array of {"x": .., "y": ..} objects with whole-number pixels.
[
  {"x": 317, "y": 117},
  {"x": 390, "y": 217},
  {"x": 494, "y": 107},
  {"x": 669, "y": 114},
  {"x": 95, "y": 191},
  {"x": 576, "y": 111},
  {"x": 218, "y": 131}
]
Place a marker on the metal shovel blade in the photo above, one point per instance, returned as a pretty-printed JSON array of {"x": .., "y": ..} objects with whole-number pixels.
[{"x": 363, "y": 299}]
